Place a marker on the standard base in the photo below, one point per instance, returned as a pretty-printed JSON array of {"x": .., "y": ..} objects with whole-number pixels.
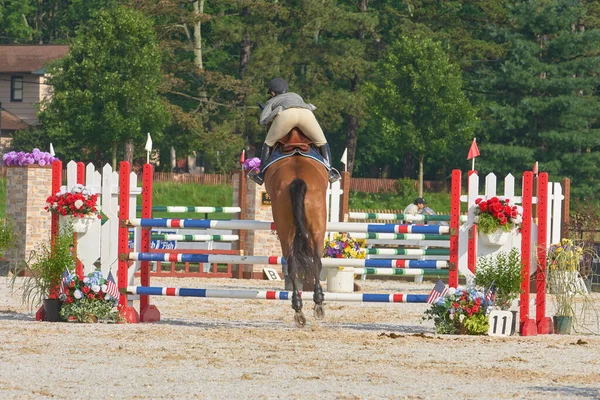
[
  {"x": 545, "y": 326},
  {"x": 150, "y": 314},
  {"x": 528, "y": 328},
  {"x": 130, "y": 314}
]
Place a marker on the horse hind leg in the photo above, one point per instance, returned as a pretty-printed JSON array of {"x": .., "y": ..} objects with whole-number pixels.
[
  {"x": 318, "y": 296},
  {"x": 299, "y": 318}
]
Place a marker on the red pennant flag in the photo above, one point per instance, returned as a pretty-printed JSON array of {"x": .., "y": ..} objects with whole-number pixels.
[
  {"x": 243, "y": 156},
  {"x": 473, "y": 151}
]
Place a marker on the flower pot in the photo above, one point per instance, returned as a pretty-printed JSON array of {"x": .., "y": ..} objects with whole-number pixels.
[
  {"x": 340, "y": 280},
  {"x": 497, "y": 238},
  {"x": 52, "y": 310},
  {"x": 563, "y": 325},
  {"x": 79, "y": 224}
]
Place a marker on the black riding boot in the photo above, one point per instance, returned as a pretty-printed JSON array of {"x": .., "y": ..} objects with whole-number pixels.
[
  {"x": 259, "y": 177},
  {"x": 325, "y": 151}
]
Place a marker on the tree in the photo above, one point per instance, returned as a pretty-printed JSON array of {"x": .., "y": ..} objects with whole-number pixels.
[
  {"x": 418, "y": 102},
  {"x": 542, "y": 103},
  {"x": 105, "y": 91},
  {"x": 14, "y": 27}
]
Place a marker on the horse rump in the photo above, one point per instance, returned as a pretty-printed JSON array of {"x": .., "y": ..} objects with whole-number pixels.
[{"x": 301, "y": 257}]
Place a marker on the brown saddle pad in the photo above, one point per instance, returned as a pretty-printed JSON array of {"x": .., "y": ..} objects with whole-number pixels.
[{"x": 295, "y": 139}]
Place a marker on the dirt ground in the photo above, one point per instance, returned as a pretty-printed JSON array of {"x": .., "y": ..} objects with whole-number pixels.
[{"x": 251, "y": 349}]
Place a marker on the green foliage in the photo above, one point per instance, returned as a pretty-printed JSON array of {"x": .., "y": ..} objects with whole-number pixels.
[
  {"x": 105, "y": 89},
  {"x": 7, "y": 236},
  {"x": 418, "y": 102},
  {"x": 486, "y": 223},
  {"x": 85, "y": 310},
  {"x": 478, "y": 324},
  {"x": 406, "y": 187},
  {"x": 503, "y": 270},
  {"x": 44, "y": 269}
]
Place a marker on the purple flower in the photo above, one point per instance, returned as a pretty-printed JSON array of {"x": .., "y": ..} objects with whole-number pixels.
[
  {"x": 252, "y": 163},
  {"x": 21, "y": 158}
]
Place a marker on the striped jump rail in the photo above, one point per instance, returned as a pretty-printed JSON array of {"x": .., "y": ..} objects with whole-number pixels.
[
  {"x": 192, "y": 209},
  {"x": 275, "y": 260},
  {"x": 275, "y": 295},
  {"x": 397, "y": 236},
  {"x": 268, "y": 225},
  {"x": 408, "y": 252},
  {"x": 401, "y": 217},
  {"x": 191, "y": 238},
  {"x": 400, "y": 271}
]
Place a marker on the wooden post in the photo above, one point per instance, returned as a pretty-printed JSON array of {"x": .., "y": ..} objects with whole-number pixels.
[
  {"x": 243, "y": 188},
  {"x": 566, "y": 207},
  {"x": 345, "y": 196}
]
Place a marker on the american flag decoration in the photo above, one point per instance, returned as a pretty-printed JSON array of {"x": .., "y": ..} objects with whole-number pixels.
[
  {"x": 111, "y": 286},
  {"x": 63, "y": 281},
  {"x": 439, "y": 290},
  {"x": 491, "y": 293}
]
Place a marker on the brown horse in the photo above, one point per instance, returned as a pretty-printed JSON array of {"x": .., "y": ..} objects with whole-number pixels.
[{"x": 298, "y": 186}]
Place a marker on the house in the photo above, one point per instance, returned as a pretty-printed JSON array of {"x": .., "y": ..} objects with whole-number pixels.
[{"x": 22, "y": 85}]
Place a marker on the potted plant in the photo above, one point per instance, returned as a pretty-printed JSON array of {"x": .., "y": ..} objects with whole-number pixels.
[
  {"x": 43, "y": 273},
  {"x": 564, "y": 281},
  {"x": 341, "y": 245},
  {"x": 495, "y": 219},
  {"x": 91, "y": 298},
  {"x": 503, "y": 271},
  {"x": 77, "y": 207},
  {"x": 460, "y": 311}
]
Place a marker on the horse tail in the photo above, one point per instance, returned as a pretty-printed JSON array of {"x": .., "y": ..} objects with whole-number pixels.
[{"x": 301, "y": 251}]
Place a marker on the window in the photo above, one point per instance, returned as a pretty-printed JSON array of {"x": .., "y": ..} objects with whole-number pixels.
[{"x": 16, "y": 88}]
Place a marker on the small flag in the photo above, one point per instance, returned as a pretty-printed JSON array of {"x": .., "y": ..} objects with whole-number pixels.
[
  {"x": 473, "y": 151},
  {"x": 111, "y": 286},
  {"x": 148, "y": 146},
  {"x": 439, "y": 290},
  {"x": 63, "y": 281},
  {"x": 52, "y": 150},
  {"x": 344, "y": 158},
  {"x": 243, "y": 157},
  {"x": 491, "y": 293}
]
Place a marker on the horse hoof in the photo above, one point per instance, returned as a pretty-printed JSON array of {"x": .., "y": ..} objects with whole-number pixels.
[
  {"x": 319, "y": 311},
  {"x": 299, "y": 319}
]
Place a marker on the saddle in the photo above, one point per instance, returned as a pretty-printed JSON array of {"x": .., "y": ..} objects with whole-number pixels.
[
  {"x": 295, "y": 143},
  {"x": 295, "y": 139}
]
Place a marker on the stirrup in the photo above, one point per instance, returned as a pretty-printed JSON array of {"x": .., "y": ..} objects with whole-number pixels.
[
  {"x": 334, "y": 175},
  {"x": 257, "y": 177}
]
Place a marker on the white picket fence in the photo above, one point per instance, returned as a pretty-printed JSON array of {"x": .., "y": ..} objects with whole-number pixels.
[
  {"x": 555, "y": 202},
  {"x": 100, "y": 240}
]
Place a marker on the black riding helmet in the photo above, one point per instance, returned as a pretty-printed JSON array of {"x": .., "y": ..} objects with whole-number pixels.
[{"x": 278, "y": 86}]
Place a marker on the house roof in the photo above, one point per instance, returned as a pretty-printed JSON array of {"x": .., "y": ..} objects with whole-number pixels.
[
  {"x": 10, "y": 122},
  {"x": 29, "y": 58}
]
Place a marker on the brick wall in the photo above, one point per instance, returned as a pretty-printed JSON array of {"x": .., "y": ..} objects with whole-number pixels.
[
  {"x": 257, "y": 243},
  {"x": 26, "y": 191}
]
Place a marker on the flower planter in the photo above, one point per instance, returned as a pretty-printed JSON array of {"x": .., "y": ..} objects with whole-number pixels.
[
  {"x": 52, "y": 310},
  {"x": 340, "y": 280},
  {"x": 497, "y": 238},
  {"x": 563, "y": 325},
  {"x": 80, "y": 225}
]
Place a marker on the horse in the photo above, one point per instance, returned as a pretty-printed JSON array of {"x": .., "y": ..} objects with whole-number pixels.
[{"x": 297, "y": 187}]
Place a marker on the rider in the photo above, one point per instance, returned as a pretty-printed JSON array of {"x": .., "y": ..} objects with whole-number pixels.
[{"x": 285, "y": 111}]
